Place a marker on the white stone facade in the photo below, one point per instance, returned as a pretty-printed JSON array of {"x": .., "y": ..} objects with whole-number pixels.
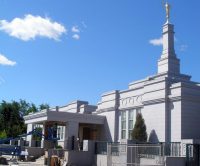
[{"x": 169, "y": 102}]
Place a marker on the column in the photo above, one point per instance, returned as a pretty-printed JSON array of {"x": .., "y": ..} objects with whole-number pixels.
[
  {"x": 29, "y": 137},
  {"x": 71, "y": 131},
  {"x": 43, "y": 133}
]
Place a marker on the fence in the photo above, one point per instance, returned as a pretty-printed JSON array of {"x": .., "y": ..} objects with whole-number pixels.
[
  {"x": 137, "y": 154},
  {"x": 101, "y": 148},
  {"x": 192, "y": 155},
  {"x": 172, "y": 149},
  {"x": 134, "y": 155},
  {"x": 10, "y": 150}
]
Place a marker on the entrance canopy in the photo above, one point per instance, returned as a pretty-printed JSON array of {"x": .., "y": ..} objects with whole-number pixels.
[{"x": 49, "y": 115}]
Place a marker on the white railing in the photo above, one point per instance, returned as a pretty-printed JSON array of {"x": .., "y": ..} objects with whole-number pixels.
[{"x": 135, "y": 155}]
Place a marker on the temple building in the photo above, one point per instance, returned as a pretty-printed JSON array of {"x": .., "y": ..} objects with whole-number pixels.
[{"x": 168, "y": 101}]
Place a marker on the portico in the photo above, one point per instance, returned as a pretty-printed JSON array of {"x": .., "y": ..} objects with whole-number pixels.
[{"x": 64, "y": 126}]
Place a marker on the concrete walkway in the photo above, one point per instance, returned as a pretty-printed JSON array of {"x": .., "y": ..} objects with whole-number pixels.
[{"x": 14, "y": 162}]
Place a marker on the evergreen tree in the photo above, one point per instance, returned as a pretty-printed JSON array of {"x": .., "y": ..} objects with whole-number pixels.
[{"x": 139, "y": 132}]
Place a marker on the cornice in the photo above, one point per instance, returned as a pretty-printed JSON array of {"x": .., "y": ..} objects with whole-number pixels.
[
  {"x": 105, "y": 110},
  {"x": 36, "y": 115}
]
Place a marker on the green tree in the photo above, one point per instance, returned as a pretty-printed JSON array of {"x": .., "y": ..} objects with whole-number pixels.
[
  {"x": 26, "y": 108},
  {"x": 43, "y": 106},
  {"x": 1, "y": 121},
  {"x": 139, "y": 132},
  {"x": 11, "y": 120},
  {"x": 11, "y": 117}
]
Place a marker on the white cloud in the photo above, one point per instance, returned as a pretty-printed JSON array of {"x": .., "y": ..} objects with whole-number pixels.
[
  {"x": 75, "y": 29},
  {"x": 30, "y": 27},
  {"x": 84, "y": 24},
  {"x": 183, "y": 47},
  {"x": 76, "y": 37},
  {"x": 156, "y": 42},
  {"x": 6, "y": 61}
]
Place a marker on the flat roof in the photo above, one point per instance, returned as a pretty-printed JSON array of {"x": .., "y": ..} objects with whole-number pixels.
[{"x": 48, "y": 115}]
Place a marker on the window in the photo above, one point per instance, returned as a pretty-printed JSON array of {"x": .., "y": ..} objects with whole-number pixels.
[
  {"x": 123, "y": 124},
  {"x": 37, "y": 126},
  {"x": 128, "y": 118},
  {"x": 138, "y": 110},
  {"x": 60, "y": 132},
  {"x": 130, "y": 123}
]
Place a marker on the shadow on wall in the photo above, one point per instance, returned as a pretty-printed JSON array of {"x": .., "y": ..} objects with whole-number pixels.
[
  {"x": 153, "y": 138},
  {"x": 105, "y": 134}
]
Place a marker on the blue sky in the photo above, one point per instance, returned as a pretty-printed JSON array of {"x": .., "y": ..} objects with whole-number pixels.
[{"x": 59, "y": 51}]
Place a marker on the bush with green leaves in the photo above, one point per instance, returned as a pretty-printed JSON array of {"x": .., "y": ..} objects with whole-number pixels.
[
  {"x": 3, "y": 134},
  {"x": 36, "y": 135}
]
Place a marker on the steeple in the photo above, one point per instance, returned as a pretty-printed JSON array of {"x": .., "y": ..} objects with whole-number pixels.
[{"x": 168, "y": 62}]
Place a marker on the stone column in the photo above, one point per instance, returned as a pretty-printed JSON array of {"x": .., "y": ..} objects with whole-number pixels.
[
  {"x": 43, "y": 133},
  {"x": 29, "y": 137},
  {"x": 71, "y": 130}
]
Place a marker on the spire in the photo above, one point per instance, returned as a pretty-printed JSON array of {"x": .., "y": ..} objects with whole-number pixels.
[{"x": 168, "y": 62}]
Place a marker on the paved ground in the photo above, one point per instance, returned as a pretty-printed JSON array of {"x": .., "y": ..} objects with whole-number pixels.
[{"x": 14, "y": 162}]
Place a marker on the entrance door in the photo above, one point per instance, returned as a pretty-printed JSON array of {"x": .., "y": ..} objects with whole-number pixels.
[{"x": 86, "y": 133}]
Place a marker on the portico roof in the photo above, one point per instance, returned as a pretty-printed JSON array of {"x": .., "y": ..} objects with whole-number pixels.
[{"x": 49, "y": 115}]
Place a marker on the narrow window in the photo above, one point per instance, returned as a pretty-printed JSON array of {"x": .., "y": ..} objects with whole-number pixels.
[
  {"x": 62, "y": 133},
  {"x": 138, "y": 110},
  {"x": 123, "y": 124},
  {"x": 58, "y": 132},
  {"x": 130, "y": 123}
]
